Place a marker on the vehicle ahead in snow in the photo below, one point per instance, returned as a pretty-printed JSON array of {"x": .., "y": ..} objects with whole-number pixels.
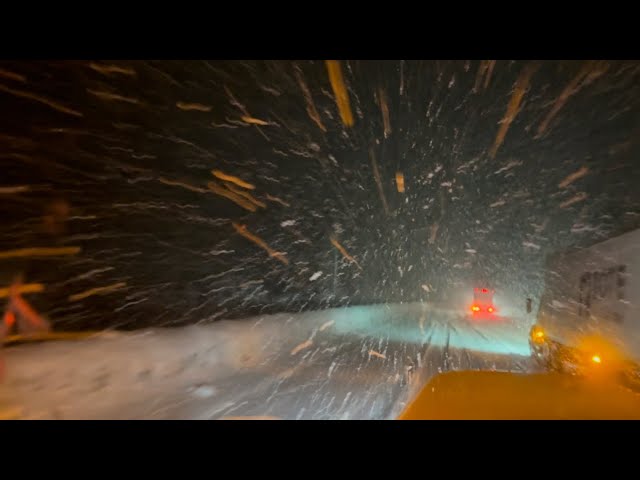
[
  {"x": 482, "y": 302},
  {"x": 588, "y": 315}
]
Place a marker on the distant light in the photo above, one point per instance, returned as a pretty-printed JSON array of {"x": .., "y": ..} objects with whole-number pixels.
[
  {"x": 490, "y": 309},
  {"x": 9, "y": 320},
  {"x": 596, "y": 359},
  {"x": 484, "y": 290},
  {"x": 537, "y": 335},
  {"x": 475, "y": 308}
]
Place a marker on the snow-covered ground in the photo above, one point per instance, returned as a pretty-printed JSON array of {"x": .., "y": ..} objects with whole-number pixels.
[{"x": 361, "y": 362}]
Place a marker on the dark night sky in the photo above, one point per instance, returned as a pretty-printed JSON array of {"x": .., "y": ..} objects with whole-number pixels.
[{"x": 503, "y": 162}]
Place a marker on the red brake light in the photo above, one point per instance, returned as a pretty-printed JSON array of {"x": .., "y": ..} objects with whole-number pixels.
[
  {"x": 484, "y": 290},
  {"x": 475, "y": 308},
  {"x": 490, "y": 309}
]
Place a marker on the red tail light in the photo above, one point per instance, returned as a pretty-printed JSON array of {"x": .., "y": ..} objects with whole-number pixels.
[
  {"x": 475, "y": 308},
  {"x": 490, "y": 309}
]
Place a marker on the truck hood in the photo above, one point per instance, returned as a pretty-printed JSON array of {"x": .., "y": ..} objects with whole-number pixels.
[{"x": 482, "y": 395}]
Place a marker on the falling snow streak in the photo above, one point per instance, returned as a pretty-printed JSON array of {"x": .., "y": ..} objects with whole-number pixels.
[
  {"x": 514, "y": 105},
  {"x": 12, "y": 76},
  {"x": 311, "y": 107},
  {"x": 589, "y": 72},
  {"x": 573, "y": 177},
  {"x": 246, "y": 117},
  {"x": 384, "y": 107},
  {"x": 14, "y": 190},
  {"x": 37, "y": 98},
  {"x": 198, "y": 107},
  {"x": 232, "y": 179},
  {"x": 376, "y": 176},
  {"x": 344, "y": 253},
  {"x": 39, "y": 252},
  {"x": 254, "y": 121},
  {"x": 373, "y": 353},
  {"x": 26, "y": 288},
  {"x": 487, "y": 78},
  {"x": 97, "y": 291},
  {"x": 234, "y": 197},
  {"x": 246, "y": 195},
  {"x": 182, "y": 184},
  {"x": 482, "y": 68},
  {"x": 326, "y": 325},
  {"x": 575, "y": 199},
  {"x": 400, "y": 182},
  {"x": 433, "y": 229},
  {"x": 109, "y": 69},
  {"x": 301, "y": 347},
  {"x": 278, "y": 200},
  {"x": 484, "y": 72},
  {"x": 242, "y": 230},
  {"x": 110, "y": 96},
  {"x": 340, "y": 92}
]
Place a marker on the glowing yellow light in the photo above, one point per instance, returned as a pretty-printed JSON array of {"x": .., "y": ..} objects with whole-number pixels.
[
  {"x": 596, "y": 359},
  {"x": 475, "y": 308},
  {"x": 537, "y": 335}
]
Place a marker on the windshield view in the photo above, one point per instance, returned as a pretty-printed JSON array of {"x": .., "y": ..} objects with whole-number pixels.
[{"x": 326, "y": 239}]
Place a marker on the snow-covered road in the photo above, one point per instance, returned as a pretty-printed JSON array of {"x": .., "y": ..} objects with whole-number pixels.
[{"x": 361, "y": 362}]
